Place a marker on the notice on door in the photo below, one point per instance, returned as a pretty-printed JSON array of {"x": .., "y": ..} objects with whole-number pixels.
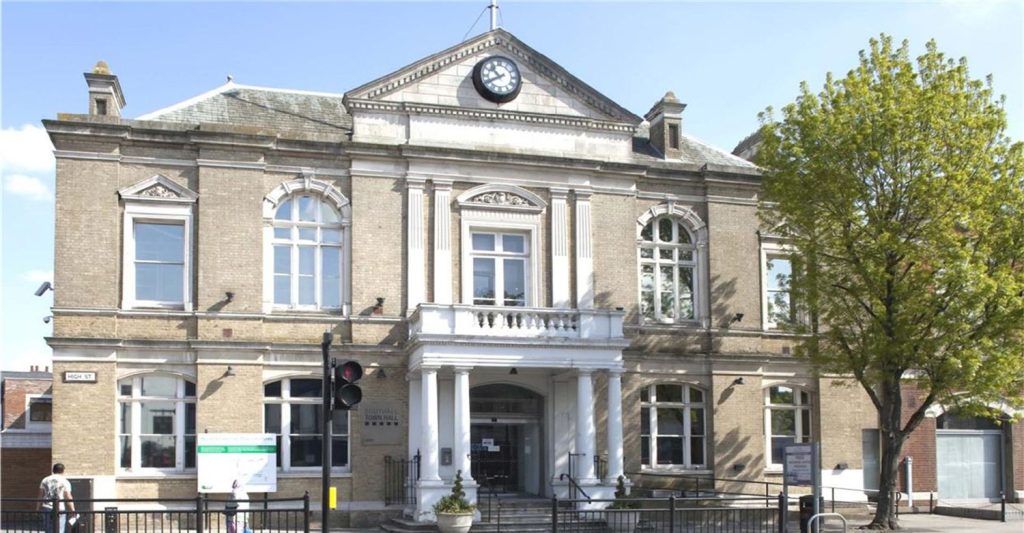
[
  {"x": 488, "y": 445},
  {"x": 249, "y": 458}
]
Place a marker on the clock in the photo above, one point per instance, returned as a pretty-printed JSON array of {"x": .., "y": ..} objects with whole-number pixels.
[{"x": 497, "y": 79}]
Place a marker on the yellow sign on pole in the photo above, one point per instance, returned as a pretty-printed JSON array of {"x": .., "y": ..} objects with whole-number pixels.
[{"x": 333, "y": 498}]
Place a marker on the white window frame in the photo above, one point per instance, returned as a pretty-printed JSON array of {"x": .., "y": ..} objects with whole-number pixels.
[
  {"x": 157, "y": 200},
  {"x": 135, "y": 425},
  {"x": 686, "y": 406},
  {"x": 699, "y": 239},
  {"x": 499, "y": 255},
  {"x": 294, "y": 243},
  {"x": 774, "y": 250},
  {"x": 286, "y": 401},
  {"x": 325, "y": 192},
  {"x": 798, "y": 407},
  {"x": 521, "y": 217},
  {"x": 30, "y": 425}
]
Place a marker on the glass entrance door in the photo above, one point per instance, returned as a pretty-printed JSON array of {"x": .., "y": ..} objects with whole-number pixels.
[{"x": 495, "y": 455}]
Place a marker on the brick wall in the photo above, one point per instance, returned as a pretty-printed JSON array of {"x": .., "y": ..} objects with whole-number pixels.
[
  {"x": 20, "y": 473},
  {"x": 920, "y": 444},
  {"x": 1017, "y": 432},
  {"x": 84, "y": 420},
  {"x": 15, "y": 393}
]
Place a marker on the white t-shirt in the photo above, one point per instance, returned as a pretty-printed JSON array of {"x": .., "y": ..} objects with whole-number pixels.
[{"x": 55, "y": 486}]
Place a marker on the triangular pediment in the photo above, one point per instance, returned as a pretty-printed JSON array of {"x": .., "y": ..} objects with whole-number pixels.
[
  {"x": 158, "y": 188},
  {"x": 444, "y": 80}
]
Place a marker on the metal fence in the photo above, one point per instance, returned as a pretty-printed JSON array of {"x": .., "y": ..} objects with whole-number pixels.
[
  {"x": 400, "y": 477},
  {"x": 669, "y": 515},
  {"x": 199, "y": 515}
]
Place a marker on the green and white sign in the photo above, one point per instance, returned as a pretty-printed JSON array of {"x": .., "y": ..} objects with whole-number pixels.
[{"x": 249, "y": 458}]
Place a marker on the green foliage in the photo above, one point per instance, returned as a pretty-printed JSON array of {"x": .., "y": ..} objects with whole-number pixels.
[
  {"x": 456, "y": 502},
  {"x": 905, "y": 200},
  {"x": 622, "y": 500}
]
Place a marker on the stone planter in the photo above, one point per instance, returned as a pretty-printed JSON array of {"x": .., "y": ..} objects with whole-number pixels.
[{"x": 454, "y": 523}]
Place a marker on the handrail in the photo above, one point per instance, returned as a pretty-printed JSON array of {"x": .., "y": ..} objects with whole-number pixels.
[
  {"x": 810, "y": 522},
  {"x": 564, "y": 476},
  {"x": 152, "y": 500}
]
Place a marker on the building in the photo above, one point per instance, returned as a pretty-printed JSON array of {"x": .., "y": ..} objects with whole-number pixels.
[
  {"x": 528, "y": 271},
  {"x": 25, "y": 434}
]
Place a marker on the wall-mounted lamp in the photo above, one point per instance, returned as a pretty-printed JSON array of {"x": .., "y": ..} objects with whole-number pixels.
[
  {"x": 229, "y": 297},
  {"x": 379, "y": 308},
  {"x": 229, "y": 372},
  {"x": 513, "y": 372},
  {"x": 47, "y": 319},
  {"x": 381, "y": 374},
  {"x": 738, "y": 466},
  {"x": 738, "y": 381},
  {"x": 738, "y": 317},
  {"x": 46, "y": 286},
  {"x": 842, "y": 466}
]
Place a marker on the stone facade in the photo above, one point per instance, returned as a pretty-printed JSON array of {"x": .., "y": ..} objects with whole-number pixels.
[{"x": 422, "y": 131}]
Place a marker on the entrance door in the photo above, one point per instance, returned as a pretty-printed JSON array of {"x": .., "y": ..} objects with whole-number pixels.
[
  {"x": 968, "y": 464},
  {"x": 870, "y": 446},
  {"x": 505, "y": 438}
]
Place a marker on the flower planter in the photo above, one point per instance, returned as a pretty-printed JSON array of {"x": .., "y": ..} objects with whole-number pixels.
[{"x": 454, "y": 522}]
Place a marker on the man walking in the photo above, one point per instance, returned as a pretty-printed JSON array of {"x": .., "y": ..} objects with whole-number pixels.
[{"x": 55, "y": 487}]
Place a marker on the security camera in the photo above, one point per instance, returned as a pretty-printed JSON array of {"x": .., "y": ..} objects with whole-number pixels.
[
  {"x": 46, "y": 286},
  {"x": 47, "y": 319}
]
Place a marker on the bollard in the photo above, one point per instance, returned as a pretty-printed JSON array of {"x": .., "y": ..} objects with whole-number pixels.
[
  {"x": 672, "y": 512},
  {"x": 554, "y": 514}
]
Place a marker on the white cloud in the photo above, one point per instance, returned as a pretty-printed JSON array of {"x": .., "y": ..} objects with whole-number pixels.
[
  {"x": 27, "y": 187},
  {"x": 38, "y": 276},
  {"x": 26, "y": 150}
]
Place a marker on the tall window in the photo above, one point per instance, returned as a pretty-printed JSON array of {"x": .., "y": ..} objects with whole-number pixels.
[
  {"x": 157, "y": 422},
  {"x": 672, "y": 426},
  {"x": 159, "y": 263},
  {"x": 778, "y": 273},
  {"x": 291, "y": 410},
  {"x": 668, "y": 261},
  {"x": 307, "y": 248},
  {"x": 500, "y": 262},
  {"x": 787, "y": 413}
]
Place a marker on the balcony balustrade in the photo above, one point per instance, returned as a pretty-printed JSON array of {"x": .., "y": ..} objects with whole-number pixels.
[{"x": 516, "y": 322}]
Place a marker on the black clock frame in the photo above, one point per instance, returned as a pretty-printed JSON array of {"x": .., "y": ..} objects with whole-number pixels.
[{"x": 478, "y": 82}]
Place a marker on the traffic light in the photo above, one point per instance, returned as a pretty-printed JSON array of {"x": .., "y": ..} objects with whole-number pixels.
[{"x": 346, "y": 393}]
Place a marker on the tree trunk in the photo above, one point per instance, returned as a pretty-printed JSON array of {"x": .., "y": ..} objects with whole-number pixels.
[{"x": 892, "y": 445}]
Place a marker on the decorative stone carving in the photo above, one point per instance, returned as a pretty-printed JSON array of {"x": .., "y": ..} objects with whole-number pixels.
[
  {"x": 500, "y": 198},
  {"x": 159, "y": 191}
]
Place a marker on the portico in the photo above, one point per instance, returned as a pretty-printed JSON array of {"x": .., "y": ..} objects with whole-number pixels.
[{"x": 523, "y": 381}]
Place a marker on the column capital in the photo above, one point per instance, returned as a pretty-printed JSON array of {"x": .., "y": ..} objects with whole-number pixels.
[
  {"x": 415, "y": 182},
  {"x": 617, "y": 372},
  {"x": 583, "y": 194},
  {"x": 584, "y": 371},
  {"x": 442, "y": 185},
  {"x": 559, "y": 192},
  {"x": 429, "y": 369},
  {"x": 462, "y": 369}
]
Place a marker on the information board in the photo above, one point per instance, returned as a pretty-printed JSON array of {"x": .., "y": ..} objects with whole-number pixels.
[
  {"x": 798, "y": 464},
  {"x": 249, "y": 458}
]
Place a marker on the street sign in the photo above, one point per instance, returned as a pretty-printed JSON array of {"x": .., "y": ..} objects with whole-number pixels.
[
  {"x": 249, "y": 458},
  {"x": 798, "y": 464}
]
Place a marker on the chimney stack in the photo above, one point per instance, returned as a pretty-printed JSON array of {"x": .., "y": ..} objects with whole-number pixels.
[
  {"x": 666, "y": 118},
  {"x": 105, "y": 96}
]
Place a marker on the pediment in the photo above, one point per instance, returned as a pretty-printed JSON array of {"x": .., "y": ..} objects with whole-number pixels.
[
  {"x": 158, "y": 189},
  {"x": 442, "y": 84},
  {"x": 501, "y": 197}
]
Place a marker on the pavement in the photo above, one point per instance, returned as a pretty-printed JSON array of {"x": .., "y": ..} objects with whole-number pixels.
[{"x": 933, "y": 523}]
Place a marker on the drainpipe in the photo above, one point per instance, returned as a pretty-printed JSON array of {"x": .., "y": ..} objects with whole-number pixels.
[{"x": 910, "y": 481}]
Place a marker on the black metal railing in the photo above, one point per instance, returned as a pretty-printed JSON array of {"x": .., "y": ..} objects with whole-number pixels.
[
  {"x": 400, "y": 477},
  {"x": 669, "y": 515},
  {"x": 163, "y": 515},
  {"x": 600, "y": 467}
]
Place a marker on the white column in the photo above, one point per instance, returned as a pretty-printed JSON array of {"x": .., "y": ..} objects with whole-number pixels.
[
  {"x": 586, "y": 432},
  {"x": 560, "y": 295},
  {"x": 428, "y": 426},
  {"x": 584, "y": 253},
  {"x": 442, "y": 241},
  {"x": 461, "y": 446},
  {"x": 614, "y": 425},
  {"x": 416, "y": 275},
  {"x": 415, "y": 410}
]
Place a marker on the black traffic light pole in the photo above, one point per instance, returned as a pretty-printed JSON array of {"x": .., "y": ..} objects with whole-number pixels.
[{"x": 325, "y": 445}]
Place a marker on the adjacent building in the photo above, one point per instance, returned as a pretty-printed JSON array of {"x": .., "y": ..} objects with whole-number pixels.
[
  {"x": 537, "y": 281},
  {"x": 27, "y": 410}
]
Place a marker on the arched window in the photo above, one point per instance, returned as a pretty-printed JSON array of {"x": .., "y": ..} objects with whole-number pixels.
[
  {"x": 292, "y": 410},
  {"x": 787, "y": 420},
  {"x": 669, "y": 266},
  {"x": 307, "y": 246},
  {"x": 673, "y": 426},
  {"x": 156, "y": 422}
]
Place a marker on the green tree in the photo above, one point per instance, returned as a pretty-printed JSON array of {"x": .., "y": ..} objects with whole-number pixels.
[{"x": 904, "y": 200}]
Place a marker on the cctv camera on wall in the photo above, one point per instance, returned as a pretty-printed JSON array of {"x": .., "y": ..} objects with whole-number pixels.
[{"x": 46, "y": 286}]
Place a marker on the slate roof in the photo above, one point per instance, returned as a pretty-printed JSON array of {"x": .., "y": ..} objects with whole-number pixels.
[
  {"x": 261, "y": 107},
  {"x": 694, "y": 151},
  {"x": 13, "y": 374}
]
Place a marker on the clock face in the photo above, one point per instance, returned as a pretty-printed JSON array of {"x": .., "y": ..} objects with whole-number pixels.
[{"x": 497, "y": 79}]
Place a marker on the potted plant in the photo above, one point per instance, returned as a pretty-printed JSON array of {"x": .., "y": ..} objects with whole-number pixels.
[
  {"x": 626, "y": 515},
  {"x": 454, "y": 512}
]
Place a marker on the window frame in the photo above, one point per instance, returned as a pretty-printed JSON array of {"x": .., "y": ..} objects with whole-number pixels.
[
  {"x": 326, "y": 193},
  {"x": 33, "y": 425},
  {"x": 688, "y": 220},
  {"x": 772, "y": 249},
  {"x": 135, "y": 213},
  {"x": 798, "y": 407},
  {"x": 687, "y": 405},
  {"x": 180, "y": 400},
  {"x": 286, "y": 401},
  {"x": 676, "y": 264},
  {"x": 499, "y": 255},
  {"x": 294, "y": 243}
]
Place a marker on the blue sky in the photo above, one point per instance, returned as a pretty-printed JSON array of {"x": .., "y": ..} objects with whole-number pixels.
[{"x": 726, "y": 60}]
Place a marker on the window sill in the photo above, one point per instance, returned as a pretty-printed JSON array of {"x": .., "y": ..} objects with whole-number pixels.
[
  {"x": 156, "y": 474},
  {"x": 773, "y": 470},
  {"x": 301, "y": 474},
  {"x": 659, "y": 327},
  {"x": 674, "y": 470}
]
